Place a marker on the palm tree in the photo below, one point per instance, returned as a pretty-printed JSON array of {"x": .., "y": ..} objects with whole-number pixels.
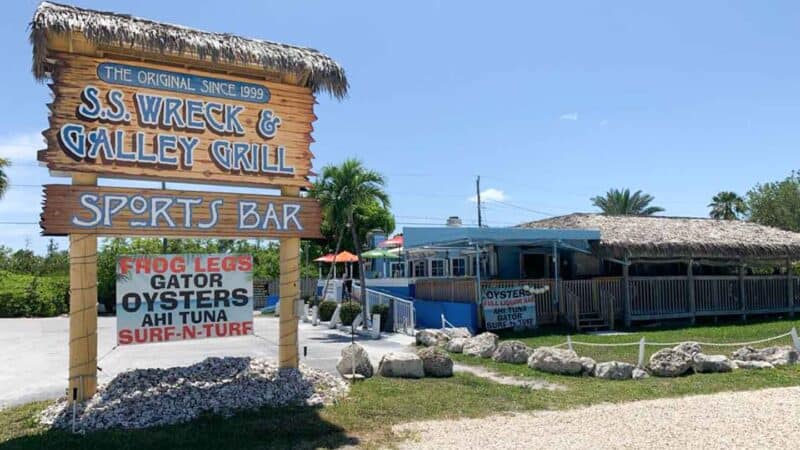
[
  {"x": 727, "y": 205},
  {"x": 340, "y": 189},
  {"x": 3, "y": 177},
  {"x": 622, "y": 203}
]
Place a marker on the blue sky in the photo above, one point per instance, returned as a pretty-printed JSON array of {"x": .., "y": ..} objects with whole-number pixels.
[{"x": 551, "y": 103}]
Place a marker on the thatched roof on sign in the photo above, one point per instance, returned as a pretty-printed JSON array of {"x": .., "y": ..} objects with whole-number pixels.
[
  {"x": 679, "y": 237},
  {"x": 121, "y": 30}
]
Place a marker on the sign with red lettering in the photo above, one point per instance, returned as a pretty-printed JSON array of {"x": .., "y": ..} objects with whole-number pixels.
[
  {"x": 163, "y": 298},
  {"x": 510, "y": 307}
]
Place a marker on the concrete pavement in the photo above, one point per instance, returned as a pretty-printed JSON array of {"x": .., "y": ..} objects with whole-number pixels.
[{"x": 34, "y": 355}]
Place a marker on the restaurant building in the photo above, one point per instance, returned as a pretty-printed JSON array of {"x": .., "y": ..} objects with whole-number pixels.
[{"x": 592, "y": 271}]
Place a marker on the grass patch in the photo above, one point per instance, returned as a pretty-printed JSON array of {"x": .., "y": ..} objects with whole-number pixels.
[
  {"x": 728, "y": 333},
  {"x": 366, "y": 417}
]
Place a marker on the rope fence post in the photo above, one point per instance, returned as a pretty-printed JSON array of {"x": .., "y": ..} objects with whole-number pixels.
[
  {"x": 641, "y": 353},
  {"x": 795, "y": 339},
  {"x": 569, "y": 343}
]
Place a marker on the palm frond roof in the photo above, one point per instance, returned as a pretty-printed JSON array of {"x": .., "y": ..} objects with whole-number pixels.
[
  {"x": 679, "y": 237},
  {"x": 318, "y": 71}
]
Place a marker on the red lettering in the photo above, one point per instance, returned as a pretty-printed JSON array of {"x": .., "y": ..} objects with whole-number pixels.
[
  {"x": 221, "y": 329},
  {"x": 155, "y": 333},
  {"x": 245, "y": 263},
  {"x": 247, "y": 327},
  {"x": 169, "y": 333},
  {"x": 177, "y": 264},
  {"x": 125, "y": 265},
  {"x": 229, "y": 263},
  {"x": 212, "y": 264},
  {"x": 198, "y": 267},
  {"x": 124, "y": 337},
  {"x": 235, "y": 329},
  {"x": 142, "y": 265},
  {"x": 189, "y": 332}
]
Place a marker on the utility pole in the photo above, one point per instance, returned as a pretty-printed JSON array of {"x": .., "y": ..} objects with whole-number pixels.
[{"x": 478, "y": 190}]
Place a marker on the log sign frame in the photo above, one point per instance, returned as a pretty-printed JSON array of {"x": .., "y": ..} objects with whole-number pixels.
[{"x": 163, "y": 298}]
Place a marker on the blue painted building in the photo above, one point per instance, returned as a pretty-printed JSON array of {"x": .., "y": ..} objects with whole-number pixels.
[{"x": 441, "y": 267}]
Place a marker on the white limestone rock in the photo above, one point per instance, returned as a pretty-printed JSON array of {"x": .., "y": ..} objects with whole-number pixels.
[
  {"x": 702, "y": 363},
  {"x": 401, "y": 365},
  {"x": 514, "y": 352},
  {"x": 669, "y": 362},
  {"x": 482, "y": 345},
  {"x": 555, "y": 360},
  {"x": 357, "y": 353},
  {"x": 614, "y": 370}
]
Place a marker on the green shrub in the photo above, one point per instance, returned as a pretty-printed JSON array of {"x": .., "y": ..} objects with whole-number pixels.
[
  {"x": 349, "y": 311},
  {"x": 326, "y": 310},
  {"x": 30, "y": 296},
  {"x": 383, "y": 310}
]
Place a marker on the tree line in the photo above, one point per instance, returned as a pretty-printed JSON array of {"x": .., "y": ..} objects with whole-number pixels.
[{"x": 775, "y": 204}]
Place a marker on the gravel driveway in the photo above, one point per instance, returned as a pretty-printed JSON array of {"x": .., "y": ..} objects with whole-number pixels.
[{"x": 766, "y": 419}]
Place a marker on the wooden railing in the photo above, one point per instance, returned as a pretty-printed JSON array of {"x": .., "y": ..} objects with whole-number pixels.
[
  {"x": 651, "y": 298},
  {"x": 662, "y": 296},
  {"x": 450, "y": 289},
  {"x": 717, "y": 295}
]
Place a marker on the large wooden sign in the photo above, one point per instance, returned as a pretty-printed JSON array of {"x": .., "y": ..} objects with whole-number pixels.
[
  {"x": 110, "y": 211},
  {"x": 130, "y": 119}
]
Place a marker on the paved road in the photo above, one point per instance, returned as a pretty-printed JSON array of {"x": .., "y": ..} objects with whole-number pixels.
[{"x": 33, "y": 352}]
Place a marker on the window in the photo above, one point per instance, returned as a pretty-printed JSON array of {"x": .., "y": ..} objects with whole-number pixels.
[
  {"x": 419, "y": 269},
  {"x": 458, "y": 266},
  {"x": 397, "y": 270},
  {"x": 437, "y": 268}
]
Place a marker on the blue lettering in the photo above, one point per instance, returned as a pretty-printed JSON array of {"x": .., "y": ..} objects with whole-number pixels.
[
  {"x": 232, "y": 124},
  {"x": 188, "y": 144},
  {"x": 140, "y": 154},
  {"x": 194, "y": 108},
  {"x": 212, "y": 108},
  {"x": 220, "y": 152},
  {"x": 100, "y": 140},
  {"x": 118, "y": 112},
  {"x": 70, "y": 136},
  {"x": 172, "y": 113},
  {"x": 167, "y": 143},
  {"x": 90, "y": 108},
  {"x": 149, "y": 108}
]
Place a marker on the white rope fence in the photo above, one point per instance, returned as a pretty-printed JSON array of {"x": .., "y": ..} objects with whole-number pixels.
[{"x": 643, "y": 343}]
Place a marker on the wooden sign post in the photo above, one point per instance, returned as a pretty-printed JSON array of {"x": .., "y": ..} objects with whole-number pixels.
[
  {"x": 143, "y": 100},
  {"x": 83, "y": 306}
]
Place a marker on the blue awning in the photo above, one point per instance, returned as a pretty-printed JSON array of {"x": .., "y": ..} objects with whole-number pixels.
[{"x": 468, "y": 236}]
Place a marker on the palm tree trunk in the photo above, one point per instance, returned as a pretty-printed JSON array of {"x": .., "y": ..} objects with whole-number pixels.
[
  {"x": 364, "y": 312},
  {"x": 333, "y": 263}
]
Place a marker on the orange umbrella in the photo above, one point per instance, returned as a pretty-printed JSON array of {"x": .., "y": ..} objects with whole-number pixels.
[
  {"x": 325, "y": 258},
  {"x": 346, "y": 257}
]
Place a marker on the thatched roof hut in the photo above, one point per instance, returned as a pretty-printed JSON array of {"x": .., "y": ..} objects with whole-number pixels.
[
  {"x": 679, "y": 237},
  {"x": 107, "y": 30}
]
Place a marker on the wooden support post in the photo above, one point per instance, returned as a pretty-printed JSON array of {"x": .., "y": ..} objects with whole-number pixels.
[
  {"x": 690, "y": 290},
  {"x": 289, "y": 277},
  {"x": 742, "y": 299},
  {"x": 626, "y": 292},
  {"x": 83, "y": 308},
  {"x": 789, "y": 287}
]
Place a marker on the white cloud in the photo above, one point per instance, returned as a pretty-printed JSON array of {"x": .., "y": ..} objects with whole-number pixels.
[
  {"x": 569, "y": 116},
  {"x": 21, "y": 147},
  {"x": 490, "y": 195}
]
